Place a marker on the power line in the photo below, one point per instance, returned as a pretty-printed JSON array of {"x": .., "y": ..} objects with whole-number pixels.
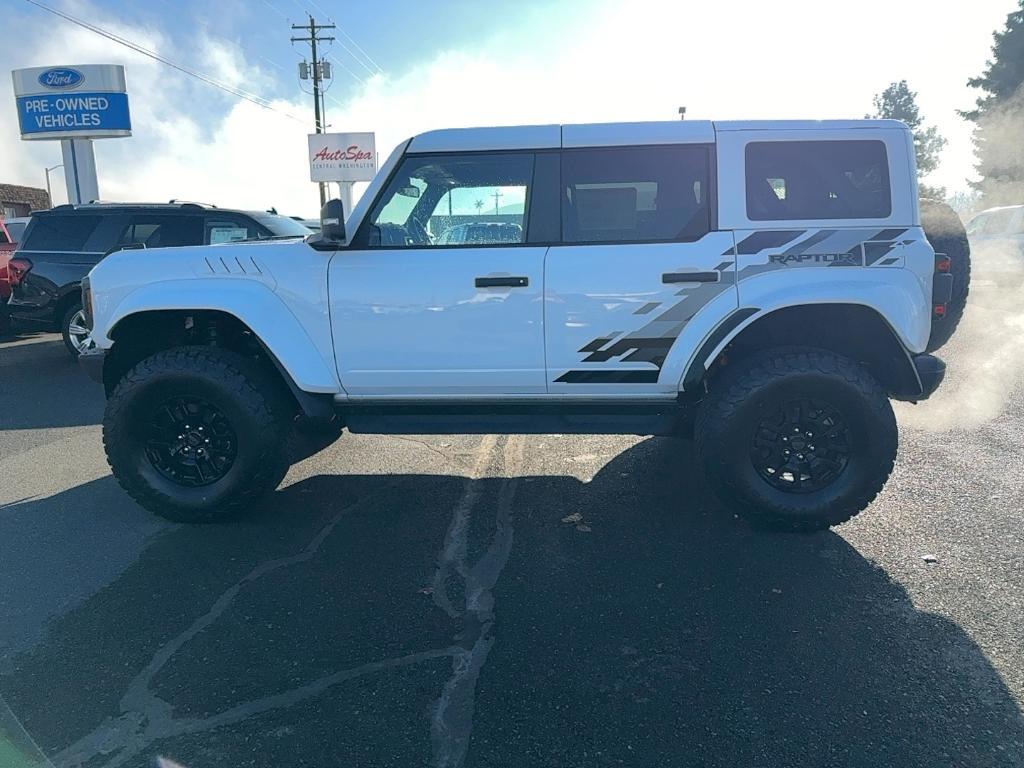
[
  {"x": 376, "y": 67},
  {"x": 359, "y": 48},
  {"x": 356, "y": 77},
  {"x": 357, "y": 59},
  {"x": 275, "y": 9},
  {"x": 251, "y": 97}
]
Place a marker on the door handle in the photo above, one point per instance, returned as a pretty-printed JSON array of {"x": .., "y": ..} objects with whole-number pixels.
[
  {"x": 500, "y": 282},
  {"x": 690, "y": 277}
]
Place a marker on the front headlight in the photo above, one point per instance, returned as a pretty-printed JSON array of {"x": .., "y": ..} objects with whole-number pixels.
[{"x": 87, "y": 302}]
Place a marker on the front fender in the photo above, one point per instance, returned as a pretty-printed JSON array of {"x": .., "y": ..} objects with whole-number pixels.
[{"x": 250, "y": 301}]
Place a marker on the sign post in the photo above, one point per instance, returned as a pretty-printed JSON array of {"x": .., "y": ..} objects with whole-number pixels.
[
  {"x": 75, "y": 105},
  {"x": 342, "y": 157}
]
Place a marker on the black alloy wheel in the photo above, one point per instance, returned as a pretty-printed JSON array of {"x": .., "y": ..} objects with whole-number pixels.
[
  {"x": 801, "y": 447},
  {"x": 190, "y": 442}
]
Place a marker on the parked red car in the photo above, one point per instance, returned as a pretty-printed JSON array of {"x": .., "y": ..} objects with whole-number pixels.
[{"x": 7, "y": 246}]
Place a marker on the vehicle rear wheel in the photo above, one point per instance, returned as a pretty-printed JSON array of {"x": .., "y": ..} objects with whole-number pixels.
[
  {"x": 946, "y": 234},
  {"x": 74, "y": 329},
  {"x": 195, "y": 434},
  {"x": 800, "y": 439}
]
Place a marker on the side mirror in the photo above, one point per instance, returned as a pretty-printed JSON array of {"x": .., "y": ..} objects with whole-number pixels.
[
  {"x": 332, "y": 221},
  {"x": 332, "y": 227},
  {"x": 409, "y": 191}
]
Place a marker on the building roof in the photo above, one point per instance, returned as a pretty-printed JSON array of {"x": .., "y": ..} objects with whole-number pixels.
[{"x": 34, "y": 197}]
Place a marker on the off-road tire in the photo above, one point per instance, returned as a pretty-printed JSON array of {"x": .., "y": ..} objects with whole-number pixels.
[
  {"x": 65, "y": 328},
  {"x": 946, "y": 234},
  {"x": 254, "y": 402},
  {"x": 755, "y": 386}
]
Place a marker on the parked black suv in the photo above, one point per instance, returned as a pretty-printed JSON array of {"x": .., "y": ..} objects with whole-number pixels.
[{"x": 61, "y": 245}]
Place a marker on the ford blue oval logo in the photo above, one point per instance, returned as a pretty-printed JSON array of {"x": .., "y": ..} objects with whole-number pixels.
[{"x": 61, "y": 77}]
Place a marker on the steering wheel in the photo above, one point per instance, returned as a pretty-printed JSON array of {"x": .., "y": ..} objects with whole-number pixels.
[{"x": 418, "y": 234}]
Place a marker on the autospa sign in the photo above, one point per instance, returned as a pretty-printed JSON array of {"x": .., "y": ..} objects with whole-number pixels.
[
  {"x": 342, "y": 156},
  {"x": 78, "y": 102}
]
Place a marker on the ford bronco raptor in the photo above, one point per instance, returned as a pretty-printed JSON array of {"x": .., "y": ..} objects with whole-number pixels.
[{"x": 769, "y": 285}]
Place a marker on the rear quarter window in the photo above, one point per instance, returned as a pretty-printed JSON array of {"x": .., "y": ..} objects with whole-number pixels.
[
  {"x": 793, "y": 180},
  {"x": 16, "y": 230},
  {"x": 61, "y": 233}
]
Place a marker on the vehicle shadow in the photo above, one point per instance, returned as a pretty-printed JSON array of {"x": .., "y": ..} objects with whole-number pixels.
[
  {"x": 43, "y": 387},
  {"x": 348, "y": 621}
]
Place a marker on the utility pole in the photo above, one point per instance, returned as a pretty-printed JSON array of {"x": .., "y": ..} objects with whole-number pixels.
[
  {"x": 497, "y": 194},
  {"x": 318, "y": 71}
]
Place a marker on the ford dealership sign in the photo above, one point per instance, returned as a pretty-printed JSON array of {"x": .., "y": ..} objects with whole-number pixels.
[
  {"x": 86, "y": 102},
  {"x": 61, "y": 77}
]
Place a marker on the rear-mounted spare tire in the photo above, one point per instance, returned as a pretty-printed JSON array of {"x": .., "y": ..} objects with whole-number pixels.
[{"x": 947, "y": 235}]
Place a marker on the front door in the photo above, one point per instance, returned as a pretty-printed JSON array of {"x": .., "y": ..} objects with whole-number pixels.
[
  {"x": 441, "y": 292},
  {"x": 639, "y": 272}
]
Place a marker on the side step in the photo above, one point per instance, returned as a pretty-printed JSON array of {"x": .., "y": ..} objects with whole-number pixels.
[{"x": 634, "y": 417}]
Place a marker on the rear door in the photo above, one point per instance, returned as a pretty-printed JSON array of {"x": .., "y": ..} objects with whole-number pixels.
[{"x": 640, "y": 268}]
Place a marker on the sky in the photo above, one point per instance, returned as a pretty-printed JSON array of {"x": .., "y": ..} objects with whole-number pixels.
[{"x": 412, "y": 65}]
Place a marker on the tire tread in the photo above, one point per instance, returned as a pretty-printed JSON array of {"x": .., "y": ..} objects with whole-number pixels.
[{"x": 737, "y": 386}]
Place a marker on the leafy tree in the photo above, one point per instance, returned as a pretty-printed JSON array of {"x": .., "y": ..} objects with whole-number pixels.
[
  {"x": 998, "y": 117},
  {"x": 898, "y": 102}
]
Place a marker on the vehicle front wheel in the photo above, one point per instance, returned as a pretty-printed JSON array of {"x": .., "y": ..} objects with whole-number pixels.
[
  {"x": 74, "y": 329},
  {"x": 195, "y": 434},
  {"x": 799, "y": 439}
]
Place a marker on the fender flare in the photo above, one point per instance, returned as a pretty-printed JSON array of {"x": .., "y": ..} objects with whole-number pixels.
[
  {"x": 733, "y": 325},
  {"x": 251, "y": 303}
]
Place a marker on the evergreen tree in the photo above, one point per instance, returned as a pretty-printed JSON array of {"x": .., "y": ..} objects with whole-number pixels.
[
  {"x": 999, "y": 117},
  {"x": 898, "y": 102}
]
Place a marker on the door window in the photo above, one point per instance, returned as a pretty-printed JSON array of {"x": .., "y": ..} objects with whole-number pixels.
[
  {"x": 161, "y": 231},
  {"x": 453, "y": 200},
  {"x": 229, "y": 229},
  {"x": 636, "y": 194},
  {"x": 61, "y": 233},
  {"x": 795, "y": 180}
]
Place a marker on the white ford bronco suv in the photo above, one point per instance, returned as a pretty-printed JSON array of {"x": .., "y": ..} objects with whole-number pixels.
[{"x": 769, "y": 285}]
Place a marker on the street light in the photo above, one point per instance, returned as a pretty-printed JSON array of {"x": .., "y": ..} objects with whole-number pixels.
[{"x": 54, "y": 168}]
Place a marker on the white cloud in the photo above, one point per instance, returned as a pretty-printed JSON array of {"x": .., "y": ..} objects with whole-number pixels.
[{"x": 636, "y": 61}]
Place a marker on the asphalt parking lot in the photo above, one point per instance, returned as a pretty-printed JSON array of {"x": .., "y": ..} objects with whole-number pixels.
[{"x": 515, "y": 601}]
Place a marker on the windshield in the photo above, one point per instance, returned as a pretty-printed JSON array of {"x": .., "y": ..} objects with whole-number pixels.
[{"x": 282, "y": 226}]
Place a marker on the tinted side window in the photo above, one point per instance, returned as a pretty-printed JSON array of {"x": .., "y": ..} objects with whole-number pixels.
[
  {"x": 16, "y": 230},
  {"x": 61, "y": 233},
  {"x": 817, "y": 180},
  {"x": 635, "y": 193},
  {"x": 228, "y": 229},
  {"x": 162, "y": 231},
  {"x": 446, "y": 200}
]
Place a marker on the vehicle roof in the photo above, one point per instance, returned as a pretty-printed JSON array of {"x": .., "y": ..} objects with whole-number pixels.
[
  {"x": 617, "y": 134},
  {"x": 999, "y": 208},
  {"x": 183, "y": 206}
]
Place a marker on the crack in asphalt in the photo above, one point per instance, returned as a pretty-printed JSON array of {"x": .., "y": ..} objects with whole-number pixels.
[
  {"x": 146, "y": 718},
  {"x": 452, "y": 721}
]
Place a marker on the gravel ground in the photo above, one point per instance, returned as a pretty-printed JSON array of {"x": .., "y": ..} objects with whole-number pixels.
[{"x": 515, "y": 601}]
